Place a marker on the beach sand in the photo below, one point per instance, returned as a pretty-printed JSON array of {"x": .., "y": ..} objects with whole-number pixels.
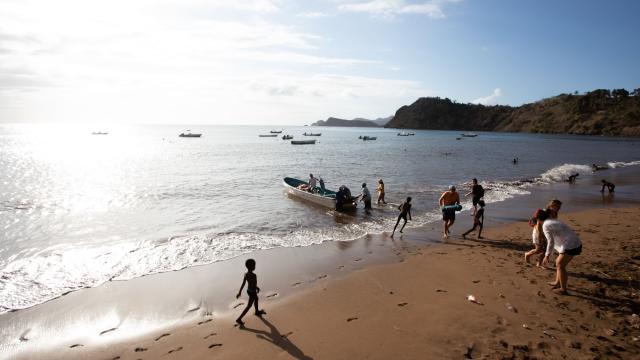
[{"x": 416, "y": 307}]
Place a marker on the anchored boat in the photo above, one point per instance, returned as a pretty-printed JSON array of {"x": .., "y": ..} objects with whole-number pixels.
[{"x": 303, "y": 142}]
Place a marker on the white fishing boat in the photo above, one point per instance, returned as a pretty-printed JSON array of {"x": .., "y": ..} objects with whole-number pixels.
[
  {"x": 367, "y": 138},
  {"x": 405, "y": 134},
  {"x": 276, "y": 131},
  {"x": 326, "y": 198},
  {"x": 469, "y": 135},
  {"x": 268, "y": 135},
  {"x": 311, "y": 134}
]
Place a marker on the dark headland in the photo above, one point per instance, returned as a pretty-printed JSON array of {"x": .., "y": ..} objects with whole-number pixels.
[
  {"x": 357, "y": 122},
  {"x": 599, "y": 112}
]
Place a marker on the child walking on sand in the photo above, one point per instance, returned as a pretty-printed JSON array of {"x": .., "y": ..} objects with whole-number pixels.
[
  {"x": 405, "y": 209},
  {"x": 478, "y": 220},
  {"x": 539, "y": 241},
  {"x": 251, "y": 280}
]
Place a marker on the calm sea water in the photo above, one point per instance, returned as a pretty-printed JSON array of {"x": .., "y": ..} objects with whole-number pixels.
[{"x": 77, "y": 209}]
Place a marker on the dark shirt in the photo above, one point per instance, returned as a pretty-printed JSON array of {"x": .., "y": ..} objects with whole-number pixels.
[
  {"x": 405, "y": 207},
  {"x": 476, "y": 190},
  {"x": 252, "y": 281}
]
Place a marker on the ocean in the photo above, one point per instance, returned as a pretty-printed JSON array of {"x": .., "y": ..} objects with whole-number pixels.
[{"x": 77, "y": 210}]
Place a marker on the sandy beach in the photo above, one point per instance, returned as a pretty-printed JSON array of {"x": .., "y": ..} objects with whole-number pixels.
[{"x": 417, "y": 307}]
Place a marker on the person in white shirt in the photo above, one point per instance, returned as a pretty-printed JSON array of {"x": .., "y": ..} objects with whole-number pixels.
[
  {"x": 366, "y": 197},
  {"x": 566, "y": 242}
]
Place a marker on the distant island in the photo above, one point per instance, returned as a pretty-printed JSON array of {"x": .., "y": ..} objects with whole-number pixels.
[
  {"x": 357, "y": 122},
  {"x": 599, "y": 112}
]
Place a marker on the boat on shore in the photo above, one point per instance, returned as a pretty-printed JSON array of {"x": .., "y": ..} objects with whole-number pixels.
[
  {"x": 268, "y": 135},
  {"x": 276, "y": 132},
  {"x": 287, "y": 137},
  {"x": 303, "y": 142},
  {"x": 366, "y": 138},
  {"x": 469, "y": 135},
  {"x": 311, "y": 134},
  {"x": 326, "y": 198},
  {"x": 189, "y": 134}
]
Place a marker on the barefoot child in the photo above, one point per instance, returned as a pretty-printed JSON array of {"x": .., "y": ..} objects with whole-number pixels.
[
  {"x": 405, "y": 209},
  {"x": 478, "y": 220},
  {"x": 251, "y": 280},
  {"x": 537, "y": 236}
]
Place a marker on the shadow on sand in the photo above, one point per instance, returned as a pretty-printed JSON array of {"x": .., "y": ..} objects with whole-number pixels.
[{"x": 280, "y": 340}]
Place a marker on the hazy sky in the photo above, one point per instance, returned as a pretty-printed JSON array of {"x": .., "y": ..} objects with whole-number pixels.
[{"x": 294, "y": 62}]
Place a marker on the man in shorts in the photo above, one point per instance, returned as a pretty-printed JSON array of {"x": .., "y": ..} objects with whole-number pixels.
[
  {"x": 477, "y": 192},
  {"x": 448, "y": 198}
]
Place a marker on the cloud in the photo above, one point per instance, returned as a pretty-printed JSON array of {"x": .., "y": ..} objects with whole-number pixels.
[
  {"x": 490, "y": 99},
  {"x": 314, "y": 15},
  {"x": 388, "y": 9}
]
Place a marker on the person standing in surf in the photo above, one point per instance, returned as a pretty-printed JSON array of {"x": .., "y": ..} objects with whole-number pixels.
[
  {"x": 251, "y": 280},
  {"x": 380, "y": 190},
  {"x": 366, "y": 197},
  {"x": 448, "y": 198},
  {"x": 405, "y": 209}
]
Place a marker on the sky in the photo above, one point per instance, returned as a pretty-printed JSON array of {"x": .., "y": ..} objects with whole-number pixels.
[{"x": 287, "y": 62}]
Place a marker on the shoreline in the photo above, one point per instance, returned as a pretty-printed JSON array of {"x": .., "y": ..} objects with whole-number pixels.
[{"x": 192, "y": 293}]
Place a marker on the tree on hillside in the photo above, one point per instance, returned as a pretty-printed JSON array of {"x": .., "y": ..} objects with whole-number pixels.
[
  {"x": 635, "y": 92},
  {"x": 620, "y": 93}
]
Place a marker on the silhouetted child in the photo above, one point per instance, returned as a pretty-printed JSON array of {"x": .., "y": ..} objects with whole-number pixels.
[
  {"x": 405, "y": 209},
  {"x": 252, "y": 290},
  {"x": 478, "y": 220},
  {"x": 608, "y": 185},
  {"x": 572, "y": 178}
]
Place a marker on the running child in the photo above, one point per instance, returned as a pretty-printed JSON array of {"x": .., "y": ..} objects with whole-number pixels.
[
  {"x": 251, "y": 280},
  {"x": 405, "y": 209},
  {"x": 478, "y": 221}
]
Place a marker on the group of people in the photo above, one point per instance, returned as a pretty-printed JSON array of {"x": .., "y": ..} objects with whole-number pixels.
[
  {"x": 548, "y": 234},
  {"x": 450, "y": 203}
]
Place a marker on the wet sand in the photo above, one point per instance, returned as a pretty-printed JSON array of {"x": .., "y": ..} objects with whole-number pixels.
[{"x": 417, "y": 307}]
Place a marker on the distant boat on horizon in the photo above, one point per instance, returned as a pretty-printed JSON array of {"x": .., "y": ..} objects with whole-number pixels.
[
  {"x": 99, "y": 133},
  {"x": 405, "y": 134},
  {"x": 303, "y": 142},
  {"x": 287, "y": 137},
  {"x": 469, "y": 135},
  {"x": 189, "y": 134},
  {"x": 366, "y": 138},
  {"x": 268, "y": 135},
  {"x": 276, "y": 132},
  {"x": 312, "y": 134}
]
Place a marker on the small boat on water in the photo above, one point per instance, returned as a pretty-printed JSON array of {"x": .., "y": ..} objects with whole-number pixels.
[
  {"x": 326, "y": 198},
  {"x": 366, "y": 138},
  {"x": 189, "y": 134},
  {"x": 303, "y": 142},
  {"x": 99, "y": 133},
  {"x": 469, "y": 135},
  {"x": 405, "y": 134},
  {"x": 287, "y": 137},
  {"x": 311, "y": 134},
  {"x": 276, "y": 132},
  {"x": 268, "y": 135}
]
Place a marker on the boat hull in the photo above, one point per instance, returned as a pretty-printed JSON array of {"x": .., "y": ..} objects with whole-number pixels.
[
  {"x": 327, "y": 200},
  {"x": 303, "y": 142}
]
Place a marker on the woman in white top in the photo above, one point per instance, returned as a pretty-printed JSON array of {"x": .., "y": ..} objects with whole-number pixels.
[{"x": 566, "y": 242}]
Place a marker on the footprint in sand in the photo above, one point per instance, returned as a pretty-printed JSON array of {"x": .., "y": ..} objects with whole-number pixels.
[
  {"x": 441, "y": 290},
  {"x": 352, "y": 319},
  {"x": 174, "y": 350},
  {"x": 238, "y": 305},
  {"x": 322, "y": 277},
  {"x": 296, "y": 284},
  {"x": 357, "y": 259},
  {"x": 475, "y": 281},
  {"x": 205, "y": 321},
  {"x": 214, "y": 345},
  {"x": 272, "y": 295},
  {"x": 403, "y": 304},
  {"x": 284, "y": 336},
  {"x": 108, "y": 331},
  {"x": 116, "y": 358},
  {"x": 140, "y": 349},
  {"x": 194, "y": 309},
  {"x": 210, "y": 335},
  {"x": 23, "y": 336},
  {"x": 161, "y": 336},
  {"x": 75, "y": 346},
  {"x": 340, "y": 267}
]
